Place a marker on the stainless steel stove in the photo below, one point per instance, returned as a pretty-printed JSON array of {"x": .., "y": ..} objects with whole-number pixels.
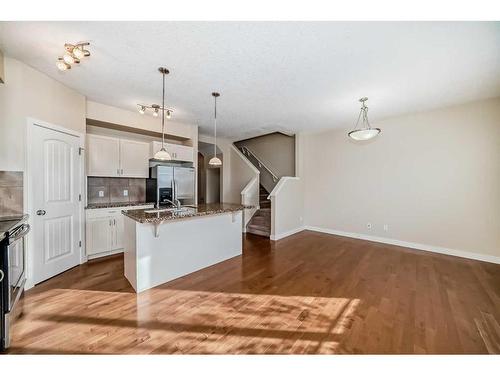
[{"x": 13, "y": 231}]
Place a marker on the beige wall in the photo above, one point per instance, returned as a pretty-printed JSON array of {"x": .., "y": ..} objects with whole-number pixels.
[
  {"x": 276, "y": 151},
  {"x": 29, "y": 93},
  {"x": 432, "y": 177},
  {"x": 287, "y": 208}
]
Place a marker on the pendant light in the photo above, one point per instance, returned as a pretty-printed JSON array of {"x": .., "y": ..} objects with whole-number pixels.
[
  {"x": 366, "y": 132},
  {"x": 163, "y": 154},
  {"x": 215, "y": 161}
]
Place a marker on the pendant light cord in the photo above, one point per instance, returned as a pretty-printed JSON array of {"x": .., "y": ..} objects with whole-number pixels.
[
  {"x": 363, "y": 112},
  {"x": 163, "y": 115},
  {"x": 215, "y": 127}
]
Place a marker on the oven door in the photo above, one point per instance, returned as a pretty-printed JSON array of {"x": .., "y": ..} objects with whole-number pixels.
[{"x": 16, "y": 267}]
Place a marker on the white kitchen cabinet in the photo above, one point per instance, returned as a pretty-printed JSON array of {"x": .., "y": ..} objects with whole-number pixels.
[
  {"x": 98, "y": 235},
  {"x": 103, "y": 156},
  {"x": 115, "y": 157},
  {"x": 104, "y": 230},
  {"x": 134, "y": 158},
  {"x": 177, "y": 152}
]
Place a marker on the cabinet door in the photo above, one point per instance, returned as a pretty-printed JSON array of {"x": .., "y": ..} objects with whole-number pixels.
[
  {"x": 98, "y": 235},
  {"x": 182, "y": 153},
  {"x": 103, "y": 156},
  {"x": 134, "y": 158},
  {"x": 117, "y": 232}
]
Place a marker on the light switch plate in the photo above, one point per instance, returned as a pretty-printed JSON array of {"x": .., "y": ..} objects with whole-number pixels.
[
  {"x": 125, "y": 193},
  {"x": 101, "y": 193}
]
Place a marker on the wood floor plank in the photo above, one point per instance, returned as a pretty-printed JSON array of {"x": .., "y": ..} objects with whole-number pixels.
[{"x": 308, "y": 293}]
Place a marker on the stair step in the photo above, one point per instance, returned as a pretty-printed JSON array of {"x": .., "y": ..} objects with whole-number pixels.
[{"x": 258, "y": 232}]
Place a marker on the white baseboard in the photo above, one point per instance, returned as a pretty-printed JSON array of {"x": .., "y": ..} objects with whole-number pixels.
[
  {"x": 276, "y": 237},
  {"x": 412, "y": 245}
]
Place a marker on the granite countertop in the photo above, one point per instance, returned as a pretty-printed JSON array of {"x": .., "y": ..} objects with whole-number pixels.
[
  {"x": 92, "y": 206},
  {"x": 192, "y": 211}
]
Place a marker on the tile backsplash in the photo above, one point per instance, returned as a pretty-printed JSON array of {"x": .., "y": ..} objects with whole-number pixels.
[
  {"x": 11, "y": 193},
  {"x": 115, "y": 190}
]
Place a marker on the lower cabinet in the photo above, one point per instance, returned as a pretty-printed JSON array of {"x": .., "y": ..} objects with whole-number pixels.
[{"x": 104, "y": 230}]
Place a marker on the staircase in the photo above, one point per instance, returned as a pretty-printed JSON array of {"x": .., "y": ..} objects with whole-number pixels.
[{"x": 260, "y": 223}]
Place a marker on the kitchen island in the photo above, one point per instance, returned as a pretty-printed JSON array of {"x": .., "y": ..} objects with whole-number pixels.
[{"x": 162, "y": 246}]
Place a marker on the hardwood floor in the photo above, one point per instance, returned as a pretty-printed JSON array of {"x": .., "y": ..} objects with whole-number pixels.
[{"x": 308, "y": 293}]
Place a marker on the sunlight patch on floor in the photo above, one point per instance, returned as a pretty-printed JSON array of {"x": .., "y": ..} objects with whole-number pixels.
[{"x": 183, "y": 321}]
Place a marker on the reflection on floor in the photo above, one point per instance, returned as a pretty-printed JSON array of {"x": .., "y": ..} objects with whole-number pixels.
[{"x": 308, "y": 293}]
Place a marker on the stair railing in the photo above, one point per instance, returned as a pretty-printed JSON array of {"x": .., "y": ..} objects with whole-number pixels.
[{"x": 261, "y": 165}]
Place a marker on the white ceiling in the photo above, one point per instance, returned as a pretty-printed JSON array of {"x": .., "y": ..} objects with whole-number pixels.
[{"x": 286, "y": 76}]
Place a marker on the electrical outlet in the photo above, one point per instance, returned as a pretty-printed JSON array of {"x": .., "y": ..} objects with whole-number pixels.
[
  {"x": 386, "y": 227},
  {"x": 125, "y": 193},
  {"x": 101, "y": 193},
  {"x": 369, "y": 225}
]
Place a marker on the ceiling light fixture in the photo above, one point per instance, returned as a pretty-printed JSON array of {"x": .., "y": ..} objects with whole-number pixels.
[
  {"x": 215, "y": 161},
  {"x": 366, "y": 132},
  {"x": 163, "y": 154},
  {"x": 143, "y": 108},
  {"x": 74, "y": 53},
  {"x": 62, "y": 65}
]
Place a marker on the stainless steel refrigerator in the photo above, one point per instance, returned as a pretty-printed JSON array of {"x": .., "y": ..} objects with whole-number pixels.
[{"x": 170, "y": 182}]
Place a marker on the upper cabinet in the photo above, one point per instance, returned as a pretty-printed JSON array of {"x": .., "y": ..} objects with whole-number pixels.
[
  {"x": 103, "y": 156},
  {"x": 177, "y": 152},
  {"x": 134, "y": 158},
  {"x": 114, "y": 157}
]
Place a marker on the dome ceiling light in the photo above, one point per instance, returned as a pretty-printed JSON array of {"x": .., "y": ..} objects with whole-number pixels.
[
  {"x": 365, "y": 132},
  {"x": 73, "y": 55}
]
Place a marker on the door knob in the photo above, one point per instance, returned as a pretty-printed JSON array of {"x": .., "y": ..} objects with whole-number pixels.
[{"x": 41, "y": 212}]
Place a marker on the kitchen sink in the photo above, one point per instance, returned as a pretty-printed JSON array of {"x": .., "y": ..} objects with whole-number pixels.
[{"x": 172, "y": 210}]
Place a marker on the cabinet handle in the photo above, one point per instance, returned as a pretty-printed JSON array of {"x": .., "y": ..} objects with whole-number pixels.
[
  {"x": 118, "y": 171},
  {"x": 114, "y": 222},
  {"x": 121, "y": 170},
  {"x": 109, "y": 222}
]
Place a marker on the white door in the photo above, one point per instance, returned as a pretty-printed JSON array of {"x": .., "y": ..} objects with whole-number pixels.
[
  {"x": 103, "y": 156},
  {"x": 55, "y": 186},
  {"x": 134, "y": 159}
]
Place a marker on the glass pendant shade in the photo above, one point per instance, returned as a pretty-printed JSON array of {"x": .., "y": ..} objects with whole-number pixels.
[
  {"x": 68, "y": 58},
  {"x": 78, "y": 52},
  {"x": 62, "y": 65},
  {"x": 162, "y": 154},
  {"x": 365, "y": 132},
  {"x": 215, "y": 161}
]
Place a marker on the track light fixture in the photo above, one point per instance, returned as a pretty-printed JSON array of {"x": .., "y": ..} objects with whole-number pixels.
[
  {"x": 156, "y": 110},
  {"x": 72, "y": 55}
]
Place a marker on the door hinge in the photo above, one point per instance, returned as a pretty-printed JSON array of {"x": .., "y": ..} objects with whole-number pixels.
[
  {"x": 80, "y": 197},
  {"x": 80, "y": 150},
  {"x": 80, "y": 244}
]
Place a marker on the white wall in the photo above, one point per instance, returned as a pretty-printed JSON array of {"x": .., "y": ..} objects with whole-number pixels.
[
  {"x": 432, "y": 177},
  {"x": 287, "y": 207},
  {"x": 29, "y": 93}
]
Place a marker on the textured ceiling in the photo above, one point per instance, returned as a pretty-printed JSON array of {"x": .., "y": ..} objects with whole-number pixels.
[{"x": 284, "y": 76}]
